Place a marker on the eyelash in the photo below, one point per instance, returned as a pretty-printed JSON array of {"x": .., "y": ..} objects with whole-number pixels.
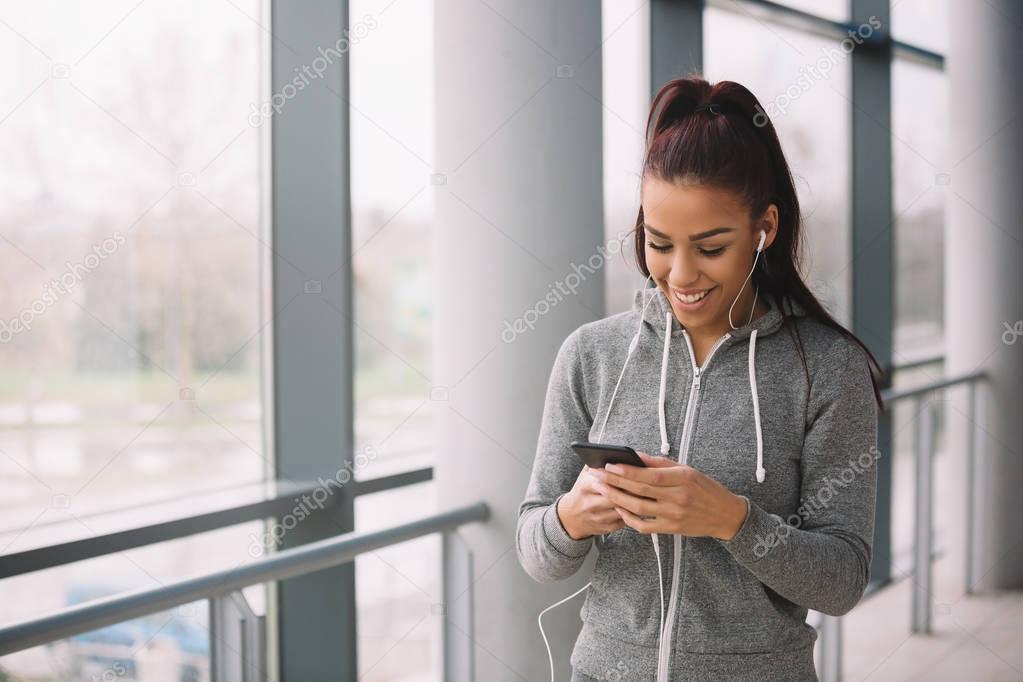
[{"x": 710, "y": 253}]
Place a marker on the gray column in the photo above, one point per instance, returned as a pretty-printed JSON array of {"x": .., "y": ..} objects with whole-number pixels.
[
  {"x": 676, "y": 40},
  {"x": 873, "y": 239},
  {"x": 517, "y": 186},
  {"x": 314, "y": 615},
  {"x": 983, "y": 256}
]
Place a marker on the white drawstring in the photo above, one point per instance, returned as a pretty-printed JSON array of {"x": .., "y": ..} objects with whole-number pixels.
[
  {"x": 665, "y": 446},
  {"x": 761, "y": 471}
]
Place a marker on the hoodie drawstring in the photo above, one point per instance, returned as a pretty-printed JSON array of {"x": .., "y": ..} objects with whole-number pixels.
[
  {"x": 761, "y": 471},
  {"x": 665, "y": 445}
]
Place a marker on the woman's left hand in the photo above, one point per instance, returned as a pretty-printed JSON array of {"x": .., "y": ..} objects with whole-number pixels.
[{"x": 680, "y": 499}]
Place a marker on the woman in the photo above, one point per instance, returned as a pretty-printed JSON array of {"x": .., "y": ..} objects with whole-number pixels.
[{"x": 754, "y": 411}]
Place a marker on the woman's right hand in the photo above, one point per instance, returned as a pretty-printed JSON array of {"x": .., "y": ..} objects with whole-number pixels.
[{"x": 584, "y": 511}]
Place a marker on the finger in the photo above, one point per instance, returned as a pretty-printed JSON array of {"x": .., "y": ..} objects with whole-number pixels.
[
  {"x": 621, "y": 498},
  {"x": 609, "y": 517},
  {"x": 635, "y": 487},
  {"x": 658, "y": 461},
  {"x": 660, "y": 475},
  {"x": 633, "y": 521}
]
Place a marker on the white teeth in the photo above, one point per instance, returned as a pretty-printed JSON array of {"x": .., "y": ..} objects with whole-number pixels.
[{"x": 690, "y": 299}]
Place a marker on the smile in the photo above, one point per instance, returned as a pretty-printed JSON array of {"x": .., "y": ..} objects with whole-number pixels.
[{"x": 691, "y": 301}]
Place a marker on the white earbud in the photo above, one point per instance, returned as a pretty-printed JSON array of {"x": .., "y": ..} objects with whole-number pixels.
[{"x": 760, "y": 247}]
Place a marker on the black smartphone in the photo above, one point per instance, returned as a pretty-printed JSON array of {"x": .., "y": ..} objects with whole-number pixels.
[{"x": 596, "y": 455}]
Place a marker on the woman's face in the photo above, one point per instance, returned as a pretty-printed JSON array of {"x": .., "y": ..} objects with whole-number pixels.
[{"x": 700, "y": 244}]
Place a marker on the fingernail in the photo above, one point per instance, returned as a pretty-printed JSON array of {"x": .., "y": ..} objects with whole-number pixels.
[{"x": 613, "y": 468}]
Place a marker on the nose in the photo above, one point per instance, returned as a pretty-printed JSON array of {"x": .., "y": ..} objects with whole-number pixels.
[{"x": 683, "y": 274}]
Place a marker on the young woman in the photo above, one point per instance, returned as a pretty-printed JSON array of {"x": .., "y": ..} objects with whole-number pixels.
[{"x": 754, "y": 411}]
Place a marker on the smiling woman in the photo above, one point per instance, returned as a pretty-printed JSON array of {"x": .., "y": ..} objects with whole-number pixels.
[{"x": 692, "y": 579}]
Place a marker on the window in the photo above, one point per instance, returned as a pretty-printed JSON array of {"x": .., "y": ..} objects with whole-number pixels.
[
  {"x": 919, "y": 128},
  {"x": 392, "y": 206},
  {"x": 923, "y": 23},
  {"x": 811, "y": 115},
  {"x": 133, "y": 289}
]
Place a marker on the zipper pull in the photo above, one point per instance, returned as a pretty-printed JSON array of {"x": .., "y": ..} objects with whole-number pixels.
[{"x": 696, "y": 379}]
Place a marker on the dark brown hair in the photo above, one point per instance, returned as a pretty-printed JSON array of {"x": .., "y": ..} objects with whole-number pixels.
[{"x": 734, "y": 146}]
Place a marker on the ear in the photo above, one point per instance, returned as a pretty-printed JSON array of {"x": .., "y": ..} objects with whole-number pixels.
[{"x": 768, "y": 223}]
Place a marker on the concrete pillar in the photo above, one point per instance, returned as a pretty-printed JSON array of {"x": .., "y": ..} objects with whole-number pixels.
[
  {"x": 517, "y": 185},
  {"x": 983, "y": 257}
]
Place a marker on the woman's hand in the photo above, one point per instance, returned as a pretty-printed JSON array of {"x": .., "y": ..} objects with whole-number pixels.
[
  {"x": 584, "y": 511},
  {"x": 680, "y": 499}
]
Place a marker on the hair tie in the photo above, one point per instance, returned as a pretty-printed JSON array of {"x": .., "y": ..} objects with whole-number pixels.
[{"x": 712, "y": 107}]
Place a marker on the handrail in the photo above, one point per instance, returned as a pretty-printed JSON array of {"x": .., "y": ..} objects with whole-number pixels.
[
  {"x": 890, "y": 395},
  {"x": 830, "y": 637},
  {"x": 307, "y": 558},
  {"x": 281, "y": 499}
]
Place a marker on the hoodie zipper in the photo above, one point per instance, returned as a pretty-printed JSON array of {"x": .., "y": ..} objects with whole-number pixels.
[
  {"x": 694, "y": 392},
  {"x": 667, "y": 640}
]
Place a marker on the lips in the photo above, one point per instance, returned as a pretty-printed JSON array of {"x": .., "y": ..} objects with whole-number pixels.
[{"x": 692, "y": 303}]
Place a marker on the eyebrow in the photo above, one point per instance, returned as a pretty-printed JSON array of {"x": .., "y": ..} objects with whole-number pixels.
[{"x": 693, "y": 238}]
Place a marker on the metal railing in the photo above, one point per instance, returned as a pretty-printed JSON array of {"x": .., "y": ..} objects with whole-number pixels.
[
  {"x": 830, "y": 628},
  {"x": 237, "y": 634},
  {"x": 174, "y": 521},
  {"x": 285, "y": 564}
]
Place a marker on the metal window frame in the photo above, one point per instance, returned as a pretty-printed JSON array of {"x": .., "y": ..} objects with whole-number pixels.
[{"x": 313, "y": 366}]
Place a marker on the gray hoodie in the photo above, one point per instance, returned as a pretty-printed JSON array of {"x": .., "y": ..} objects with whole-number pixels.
[{"x": 731, "y": 609}]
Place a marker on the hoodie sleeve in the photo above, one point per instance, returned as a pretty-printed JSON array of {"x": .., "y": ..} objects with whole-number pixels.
[
  {"x": 545, "y": 549},
  {"x": 820, "y": 558}
]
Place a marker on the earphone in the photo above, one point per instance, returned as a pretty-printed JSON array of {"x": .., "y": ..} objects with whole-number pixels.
[{"x": 760, "y": 248}]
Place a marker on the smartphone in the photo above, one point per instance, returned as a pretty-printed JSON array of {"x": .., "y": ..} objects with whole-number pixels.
[{"x": 596, "y": 455}]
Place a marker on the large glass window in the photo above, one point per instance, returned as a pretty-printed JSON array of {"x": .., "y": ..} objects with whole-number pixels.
[
  {"x": 920, "y": 180},
  {"x": 923, "y": 23},
  {"x": 392, "y": 157},
  {"x": 919, "y": 127},
  {"x": 133, "y": 292},
  {"x": 803, "y": 82}
]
